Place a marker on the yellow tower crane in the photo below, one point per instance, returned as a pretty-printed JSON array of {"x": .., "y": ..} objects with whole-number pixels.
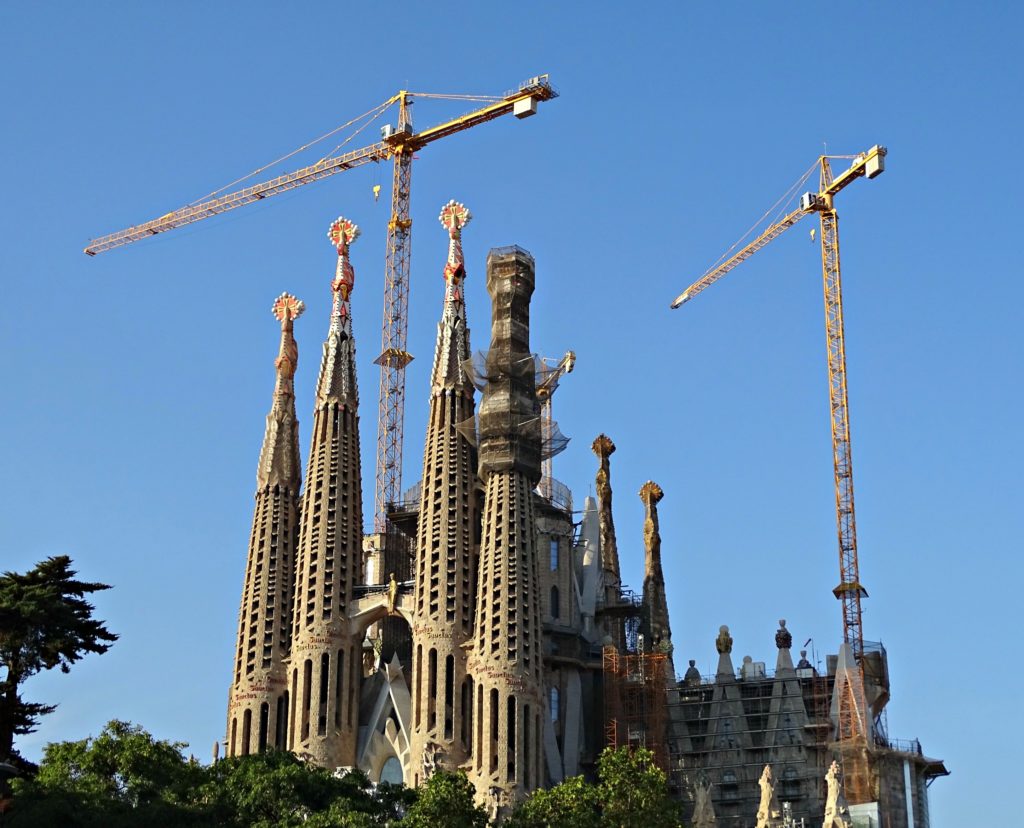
[
  {"x": 854, "y": 720},
  {"x": 399, "y": 143}
]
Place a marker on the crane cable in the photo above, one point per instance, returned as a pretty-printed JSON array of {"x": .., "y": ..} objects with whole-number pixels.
[
  {"x": 375, "y": 112},
  {"x": 783, "y": 200}
]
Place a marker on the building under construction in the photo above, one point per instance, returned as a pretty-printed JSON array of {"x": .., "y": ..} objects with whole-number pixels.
[
  {"x": 489, "y": 629},
  {"x": 484, "y": 624}
]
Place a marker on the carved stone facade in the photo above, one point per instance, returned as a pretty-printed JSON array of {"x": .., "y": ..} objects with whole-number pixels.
[
  {"x": 504, "y": 674},
  {"x": 447, "y": 546},
  {"x": 511, "y": 601},
  {"x": 506, "y": 658},
  {"x": 736, "y": 722}
]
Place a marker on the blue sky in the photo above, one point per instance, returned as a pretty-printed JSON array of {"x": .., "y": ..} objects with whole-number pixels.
[{"x": 138, "y": 381}]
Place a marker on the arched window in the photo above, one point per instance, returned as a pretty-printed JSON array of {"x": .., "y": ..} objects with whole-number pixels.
[
  {"x": 556, "y": 610},
  {"x": 391, "y": 772}
]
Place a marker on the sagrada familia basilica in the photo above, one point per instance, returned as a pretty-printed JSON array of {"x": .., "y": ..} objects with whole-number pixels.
[
  {"x": 488, "y": 629},
  {"x": 499, "y": 598}
]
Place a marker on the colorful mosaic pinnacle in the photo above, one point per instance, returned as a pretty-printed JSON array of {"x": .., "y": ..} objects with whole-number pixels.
[
  {"x": 342, "y": 232},
  {"x": 287, "y": 308},
  {"x": 454, "y": 216}
]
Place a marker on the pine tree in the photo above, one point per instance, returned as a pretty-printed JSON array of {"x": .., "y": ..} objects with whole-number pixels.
[{"x": 45, "y": 622}]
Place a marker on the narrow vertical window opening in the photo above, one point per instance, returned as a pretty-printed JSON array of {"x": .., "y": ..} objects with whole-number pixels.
[
  {"x": 419, "y": 682},
  {"x": 307, "y": 683},
  {"x": 264, "y": 727},
  {"x": 510, "y": 716},
  {"x": 246, "y": 731},
  {"x": 449, "y": 696},
  {"x": 527, "y": 764},
  {"x": 493, "y": 746},
  {"x": 339, "y": 683},
  {"x": 325, "y": 673},
  {"x": 432, "y": 689}
]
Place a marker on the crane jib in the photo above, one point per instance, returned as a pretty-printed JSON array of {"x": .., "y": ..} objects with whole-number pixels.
[{"x": 519, "y": 102}]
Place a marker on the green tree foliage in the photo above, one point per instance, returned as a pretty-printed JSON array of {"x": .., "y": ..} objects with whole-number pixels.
[
  {"x": 446, "y": 799},
  {"x": 632, "y": 792},
  {"x": 125, "y": 778},
  {"x": 573, "y": 803},
  {"x": 45, "y": 622}
]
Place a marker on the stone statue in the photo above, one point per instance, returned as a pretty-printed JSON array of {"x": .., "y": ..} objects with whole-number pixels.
[
  {"x": 724, "y": 641},
  {"x": 692, "y": 677},
  {"x": 392, "y": 593},
  {"x": 837, "y": 814},
  {"x": 783, "y": 638},
  {"x": 499, "y": 802},
  {"x": 432, "y": 756},
  {"x": 703, "y": 809},
  {"x": 769, "y": 814}
]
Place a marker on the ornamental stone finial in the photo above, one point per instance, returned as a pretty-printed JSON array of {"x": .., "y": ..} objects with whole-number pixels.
[
  {"x": 603, "y": 446},
  {"x": 342, "y": 233},
  {"x": 337, "y": 370},
  {"x": 454, "y": 216},
  {"x": 286, "y": 310},
  {"x": 651, "y": 492},
  {"x": 783, "y": 637},
  {"x": 724, "y": 641}
]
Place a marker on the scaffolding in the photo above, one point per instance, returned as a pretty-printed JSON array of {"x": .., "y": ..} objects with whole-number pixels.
[{"x": 634, "y": 703}]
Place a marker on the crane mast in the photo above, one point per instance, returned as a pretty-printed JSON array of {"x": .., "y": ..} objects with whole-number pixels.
[
  {"x": 395, "y": 329},
  {"x": 853, "y": 726},
  {"x": 849, "y": 591}
]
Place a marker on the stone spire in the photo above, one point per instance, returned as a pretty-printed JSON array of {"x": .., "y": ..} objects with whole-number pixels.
[
  {"x": 603, "y": 447},
  {"x": 505, "y": 661},
  {"x": 611, "y": 582},
  {"x": 326, "y": 661},
  {"x": 452, "y": 334},
  {"x": 445, "y": 549},
  {"x": 258, "y": 698},
  {"x": 337, "y": 381},
  {"x": 655, "y": 602}
]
